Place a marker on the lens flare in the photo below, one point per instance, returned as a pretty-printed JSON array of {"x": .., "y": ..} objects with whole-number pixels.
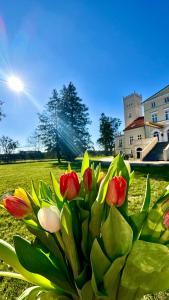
[{"x": 15, "y": 84}]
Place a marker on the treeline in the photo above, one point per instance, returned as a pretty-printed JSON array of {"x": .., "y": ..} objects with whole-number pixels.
[{"x": 63, "y": 129}]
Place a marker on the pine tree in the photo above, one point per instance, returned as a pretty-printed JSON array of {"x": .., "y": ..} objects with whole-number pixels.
[
  {"x": 75, "y": 121},
  {"x": 108, "y": 130},
  {"x": 48, "y": 128},
  {"x": 63, "y": 125}
]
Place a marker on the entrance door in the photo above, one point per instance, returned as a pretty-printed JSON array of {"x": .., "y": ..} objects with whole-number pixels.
[
  {"x": 139, "y": 152},
  {"x": 156, "y": 134},
  {"x": 168, "y": 135}
]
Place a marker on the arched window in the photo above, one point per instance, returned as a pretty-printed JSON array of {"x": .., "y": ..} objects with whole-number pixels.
[{"x": 156, "y": 134}]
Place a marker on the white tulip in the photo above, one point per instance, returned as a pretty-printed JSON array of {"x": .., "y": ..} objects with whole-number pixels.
[{"x": 49, "y": 218}]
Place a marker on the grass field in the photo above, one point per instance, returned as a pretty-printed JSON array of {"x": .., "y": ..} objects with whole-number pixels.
[{"x": 21, "y": 174}]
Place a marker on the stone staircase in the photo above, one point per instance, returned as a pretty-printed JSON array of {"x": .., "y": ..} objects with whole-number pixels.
[{"x": 156, "y": 153}]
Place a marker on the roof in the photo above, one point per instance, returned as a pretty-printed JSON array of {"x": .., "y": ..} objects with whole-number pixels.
[
  {"x": 161, "y": 92},
  {"x": 139, "y": 122}
]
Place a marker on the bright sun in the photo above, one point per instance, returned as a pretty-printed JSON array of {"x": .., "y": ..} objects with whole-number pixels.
[{"x": 15, "y": 84}]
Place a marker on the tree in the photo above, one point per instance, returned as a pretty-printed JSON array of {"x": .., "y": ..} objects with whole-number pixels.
[
  {"x": 48, "y": 127},
  {"x": 63, "y": 125},
  {"x": 108, "y": 130},
  {"x": 8, "y": 145},
  {"x": 34, "y": 141},
  {"x": 74, "y": 116},
  {"x": 2, "y": 115}
]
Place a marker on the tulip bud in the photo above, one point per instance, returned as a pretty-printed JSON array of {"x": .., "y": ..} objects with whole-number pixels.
[
  {"x": 69, "y": 185},
  {"x": 17, "y": 207},
  {"x": 87, "y": 179},
  {"x": 166, "y": 219},
  {"x": 49, "y": 218},
  {"x": 116, "y": 192},
  {"x": 101, "y": 177},
  {"x": 20, "y": 193}
]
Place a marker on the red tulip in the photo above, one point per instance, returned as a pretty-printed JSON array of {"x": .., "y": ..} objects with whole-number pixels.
[
  {"x": 69, "y": 185},
  {"x": 116, "y": 192},
  {"x": 17, "y": 207},
  {"x": 166, "y": 219},
  {"x": 87, "y": 179}
]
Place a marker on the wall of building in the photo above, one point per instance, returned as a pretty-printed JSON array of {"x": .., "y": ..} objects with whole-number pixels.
[
  {"x": 137, "y": 143},
  {"x": 156, "y": 105},
  {"x": 132, "y": 108},
  {"x": 119, "y": 143},
  {"x": 166, "y": 153},
  {"x": 135, "y": 133},
  {"x": 163, "y": 133},
  {"x": 159, "y": 105}
]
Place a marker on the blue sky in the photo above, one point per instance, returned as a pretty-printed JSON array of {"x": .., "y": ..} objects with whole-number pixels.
[{"x": 106, "y": 48}]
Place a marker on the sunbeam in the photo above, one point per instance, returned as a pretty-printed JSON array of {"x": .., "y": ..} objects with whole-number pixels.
[{"x": 33, "y": 101}]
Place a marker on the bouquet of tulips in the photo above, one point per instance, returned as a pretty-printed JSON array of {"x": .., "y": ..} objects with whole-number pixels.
[{"x": 87, "y": 246}]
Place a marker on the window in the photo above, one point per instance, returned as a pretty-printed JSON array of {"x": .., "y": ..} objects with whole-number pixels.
[
  {"x": 156, "y": 134},
  {"x": 153, "y": 104},
  {"x": 120, "y": 143},
  {"x": 131, "y": 140},
  {"x": 130, "y": 115},
  {"x": 167, "y": 114},
  {"x": 166, "y": 100},
  {"x": 139, "y": 137},
  {"x": 154, "y": 117}
]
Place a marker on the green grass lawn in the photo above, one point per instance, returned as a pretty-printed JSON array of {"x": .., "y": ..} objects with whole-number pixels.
[{"x": 21, "y": 174}]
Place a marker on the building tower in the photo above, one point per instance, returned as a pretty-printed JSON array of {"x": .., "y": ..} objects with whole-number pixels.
[{"x": 132, "y": 108}]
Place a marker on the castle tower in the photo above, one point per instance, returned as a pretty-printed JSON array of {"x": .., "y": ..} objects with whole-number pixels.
[{"x": 132, "y": 108}]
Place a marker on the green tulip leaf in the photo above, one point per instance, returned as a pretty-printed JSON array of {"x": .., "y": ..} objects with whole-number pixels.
[
  {"x": 84, "y": 241},
  {"x": 30, "y": 293},
  {"x": 35, "y": 207},
  {"x": 130, "y": 294},
  {"x": 34, "y": 195},
  {"x": 83, "y": 214},
  {"x": 87, "y": 291},
  {"x": 137, "y": 221},
  {"x": 97, "y": 171},
  {"x": 97, "y": 208},
  {"x": 83, "y": 277},
  {"x": 8, "y": 255},
  {"x": 131, "y": 178},
  {"x": 112, "y": 277},
  {"x": 69, "y": 167},
  {"x": 85, "y": 163},
  {"x": 153, "y": 225},
  {"x": 121, "y": 168},
  {"x": 56, "y": 187},
  {"x": 147, "y": 198},
  {"x": 68, "y": 239},
  {"x": 52, "y": 296},
  {"x": 45, "y": 191},
  {"x": 35, "y": 261},
  {"x": 100, "y": 264},
  {"x": 117, "y": 234},
  {"x": 147, "y": 268},
  {"x": 50, "y": 241}
]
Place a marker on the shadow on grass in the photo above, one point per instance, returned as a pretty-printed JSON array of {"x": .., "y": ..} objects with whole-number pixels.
[
  {"x": 75, "y": 165},
  {"x": 156, "y": 172}
]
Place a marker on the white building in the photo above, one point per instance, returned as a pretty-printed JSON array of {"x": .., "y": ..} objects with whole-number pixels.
[{"x": 146, "y": 135}]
